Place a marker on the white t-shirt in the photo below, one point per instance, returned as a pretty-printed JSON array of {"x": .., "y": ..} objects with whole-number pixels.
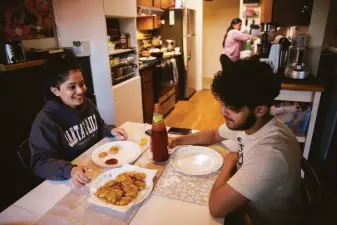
[{"x": 268, "y": 173}]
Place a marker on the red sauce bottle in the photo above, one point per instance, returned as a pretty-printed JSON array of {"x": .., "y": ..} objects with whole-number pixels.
[{"x": 159, "y": 138}]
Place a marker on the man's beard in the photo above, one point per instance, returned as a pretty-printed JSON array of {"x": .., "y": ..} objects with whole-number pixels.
[{"x": 250, "y": 121}]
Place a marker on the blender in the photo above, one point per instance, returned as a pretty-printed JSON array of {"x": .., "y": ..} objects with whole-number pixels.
[{"x": 296, "y": 67}]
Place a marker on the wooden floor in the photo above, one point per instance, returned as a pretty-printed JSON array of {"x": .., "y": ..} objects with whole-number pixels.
[{"x": 202, "y": 111}]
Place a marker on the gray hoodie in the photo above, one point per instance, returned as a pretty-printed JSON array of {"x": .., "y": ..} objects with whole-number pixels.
[{"x": 60, "y": 133}]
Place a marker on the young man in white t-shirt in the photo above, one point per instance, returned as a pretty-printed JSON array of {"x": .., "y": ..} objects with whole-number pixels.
[{"x": 264, "y": 174}]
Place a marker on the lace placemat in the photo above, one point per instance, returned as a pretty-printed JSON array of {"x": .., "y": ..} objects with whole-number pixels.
[{"x": 194, "y": 189}]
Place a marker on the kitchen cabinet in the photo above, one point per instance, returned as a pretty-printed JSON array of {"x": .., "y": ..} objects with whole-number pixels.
[
  {"x": 116, "y": 8},
  {"x": 147, "y": 95},
  {"x": 266, "y": 11},
  {"x": 128, "y": 101},
  {"x": 145, "y": 2},
  {"x": 156, "y": 22},
  {"x": 148, "y": 22},
  {"x": 156, "y": 3},
  {"x": 298, "y": 13},
  {"x": 165, "y": 4}
]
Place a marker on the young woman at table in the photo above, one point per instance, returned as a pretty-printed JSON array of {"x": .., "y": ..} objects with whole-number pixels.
[
  {"x": 264, "y": 173},
  {"x": 68, "y": 124},
  {"x": 233, "y": 43}
]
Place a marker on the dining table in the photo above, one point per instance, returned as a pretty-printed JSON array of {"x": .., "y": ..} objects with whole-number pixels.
[{"x": 175, "y": 199}]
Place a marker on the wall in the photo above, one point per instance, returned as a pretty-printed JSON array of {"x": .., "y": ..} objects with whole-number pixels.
[
  {"x": 197, "y": 5},
  {"x": 84, "y": 20},
  {"x": 217, "y": 16},
  {"x": 330, "y": 37}
]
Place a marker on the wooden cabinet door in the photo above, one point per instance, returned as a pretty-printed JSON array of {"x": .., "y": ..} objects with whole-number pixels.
[
  {"x": 156, "y": 3},
  {"x": 266, "y": 11},
  {"x": 156, "y": 22},
  {"x": 146, "y": 76},
  {"x": 292, "y": 13},
  {"x": 145, "y": 2},
  {"x": 148, "y": 102},
  {"x": 165, "y": 4},
  {"x": 145, "y": 23},
  {"x": 114, "y": 8}
]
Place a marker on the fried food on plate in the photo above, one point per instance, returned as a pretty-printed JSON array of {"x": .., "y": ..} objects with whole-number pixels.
[
  {"x": 113, "y": 195},
  {"x": 140, "y": 176},
  {"x": 114, "y": 149},
  {"x": 124, "y": 189},
  {"x": 140, "y": 184},
  {"x": 124, "y": 201},
  {"x": 102, "y": 154},
  {"x": 121, "y": 177},
  {"x": 143, "y": 141}
]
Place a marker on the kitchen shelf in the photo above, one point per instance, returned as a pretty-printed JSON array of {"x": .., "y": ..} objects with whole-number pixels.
[
  {"x": 123, "y": 78},
  {"x": 120, "y": 51},
  {"x": 123, "y": 64}
]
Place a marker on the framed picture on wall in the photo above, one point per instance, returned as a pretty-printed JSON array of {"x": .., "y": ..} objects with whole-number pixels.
[{"x": 27, "y": 19}]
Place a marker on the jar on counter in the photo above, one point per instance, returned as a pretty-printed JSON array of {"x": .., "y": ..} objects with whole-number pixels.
[{"x": 125, "y": 40}]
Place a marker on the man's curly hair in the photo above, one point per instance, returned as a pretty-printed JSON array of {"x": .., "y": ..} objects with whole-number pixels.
[{"x": 246, "y": 83}]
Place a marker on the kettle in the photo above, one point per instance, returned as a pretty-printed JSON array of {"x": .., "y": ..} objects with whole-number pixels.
[{"x": 170, "y": 45}]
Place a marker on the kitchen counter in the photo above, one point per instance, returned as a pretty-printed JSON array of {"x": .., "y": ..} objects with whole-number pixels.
[
  {"x": 16, "y": 66},
  {"x": 309, "y": 84},
  {"x": 151, "y": 64}
]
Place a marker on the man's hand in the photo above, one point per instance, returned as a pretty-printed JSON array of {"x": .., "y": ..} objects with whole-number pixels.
[
  {"x": 223, "y": 198},
  {"x": 173, "y": 142},
  {"x": 119, "y": 133},
  {"x": 78, "y": 176}
]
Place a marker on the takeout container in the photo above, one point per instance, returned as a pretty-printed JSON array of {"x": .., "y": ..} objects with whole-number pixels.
[{"x": 112, "y": 174}]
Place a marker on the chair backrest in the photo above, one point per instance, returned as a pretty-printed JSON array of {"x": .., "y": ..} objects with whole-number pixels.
[
  {"x": 23, "y": 152},
  {"x": 310, "y": 186}
]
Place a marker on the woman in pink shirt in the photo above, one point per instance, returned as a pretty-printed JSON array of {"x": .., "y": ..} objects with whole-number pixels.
[{"x": 233, "y": 43}]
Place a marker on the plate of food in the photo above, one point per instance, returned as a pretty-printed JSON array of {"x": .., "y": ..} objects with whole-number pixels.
[
  {"x": 196, "y": 160},
  {"x": 120, "y": 189},
  {"x": 115, "y": 154}
]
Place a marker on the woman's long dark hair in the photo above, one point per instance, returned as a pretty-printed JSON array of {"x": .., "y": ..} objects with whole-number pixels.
[
  {"x": 231, "y": 27},
  {"x": 57, "y": 70}
]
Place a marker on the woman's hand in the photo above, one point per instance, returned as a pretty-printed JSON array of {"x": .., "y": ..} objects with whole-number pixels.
[
  {"x": 119, "y": 133},
  {"x": 78, "y": 176}
]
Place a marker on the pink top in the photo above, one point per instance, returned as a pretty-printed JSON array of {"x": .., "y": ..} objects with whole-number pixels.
[{"x": 234, "y": 43}]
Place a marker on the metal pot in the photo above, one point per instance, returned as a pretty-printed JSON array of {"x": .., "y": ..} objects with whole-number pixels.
[
  {"x": 119, "y": 72},
  {"x": 127, "y": 70}
]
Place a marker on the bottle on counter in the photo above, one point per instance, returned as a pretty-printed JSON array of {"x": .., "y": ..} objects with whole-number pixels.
[{"x": 159, "y": 137}]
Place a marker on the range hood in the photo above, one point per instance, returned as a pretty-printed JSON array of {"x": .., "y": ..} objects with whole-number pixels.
[{"x": 148, "y": 10}]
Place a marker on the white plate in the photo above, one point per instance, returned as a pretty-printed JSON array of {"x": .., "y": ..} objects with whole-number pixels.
[
  {"x": 112, "y": 174},
  {"x": 196, "y": 160},
  {"x": 128, "y": 152}
]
